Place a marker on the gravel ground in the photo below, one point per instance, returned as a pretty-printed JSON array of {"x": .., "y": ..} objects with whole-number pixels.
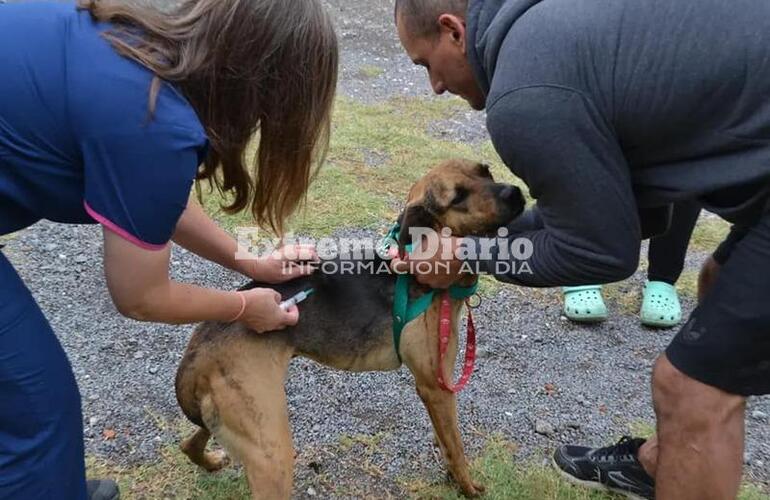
[{"x": 599, "y": 374}]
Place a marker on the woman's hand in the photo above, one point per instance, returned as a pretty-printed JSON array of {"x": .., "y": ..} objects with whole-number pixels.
[
  {"x": 261, "y": 312},
  {"x": 286, "y": 263}
]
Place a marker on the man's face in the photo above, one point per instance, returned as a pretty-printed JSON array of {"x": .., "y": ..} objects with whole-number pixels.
[{"x": 444, "y": 57}]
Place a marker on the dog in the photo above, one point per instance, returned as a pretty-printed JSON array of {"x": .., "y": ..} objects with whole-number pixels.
[{"x": 230, "y": 381}]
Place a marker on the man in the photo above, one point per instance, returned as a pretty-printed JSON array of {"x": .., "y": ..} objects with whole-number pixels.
[{"x": 610, "y": 110}]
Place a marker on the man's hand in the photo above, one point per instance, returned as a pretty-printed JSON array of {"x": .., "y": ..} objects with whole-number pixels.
[{"x": 440, "y": 269}]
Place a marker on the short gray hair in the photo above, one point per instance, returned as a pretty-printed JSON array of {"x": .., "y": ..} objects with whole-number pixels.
[{"x": 421, "y": 16}]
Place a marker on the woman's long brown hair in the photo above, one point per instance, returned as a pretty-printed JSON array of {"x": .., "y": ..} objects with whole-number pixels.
[{"x": 246, "y": 66}]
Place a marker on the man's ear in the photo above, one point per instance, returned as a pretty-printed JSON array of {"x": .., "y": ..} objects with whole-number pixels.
[
  {"x": 413, "y": 216},
  {"x": 454, "y": 26}
]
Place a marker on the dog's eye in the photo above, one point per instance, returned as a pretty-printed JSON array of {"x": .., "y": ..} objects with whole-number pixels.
[{"x": 461, "y": 194}]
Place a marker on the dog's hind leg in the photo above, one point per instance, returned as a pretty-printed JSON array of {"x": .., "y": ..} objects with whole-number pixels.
[
  {"x": 419, "y": 352},
  {"x": 195, "y": 449},
  {"x": 249, "y": 414}
]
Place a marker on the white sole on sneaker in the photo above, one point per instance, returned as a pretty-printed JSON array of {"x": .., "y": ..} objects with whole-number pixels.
[{"x": 593, "y": 484}]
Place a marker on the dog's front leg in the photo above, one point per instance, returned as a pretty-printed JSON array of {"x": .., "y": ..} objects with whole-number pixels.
[{"x": 420, "y": 353}]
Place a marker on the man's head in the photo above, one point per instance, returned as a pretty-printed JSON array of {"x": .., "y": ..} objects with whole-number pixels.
[{"x": 434, "y": 36}]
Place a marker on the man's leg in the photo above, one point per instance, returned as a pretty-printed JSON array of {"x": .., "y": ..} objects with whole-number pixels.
[
  {"x": 721, "y": 355},
  {"x": 648, "y": 453},
  {"x": 700, "y": 453}
]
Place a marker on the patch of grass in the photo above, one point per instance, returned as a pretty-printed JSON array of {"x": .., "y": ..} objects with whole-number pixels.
[
  {"x": 504, "y": 479},
  {"x": 488, "y": 286},
  {"x": 641, "y": 428},
  {"x": 624, "y": 295},
  {"x": 753, "y": 492},
  {"x": 369, "y": 71},
  {"x": 369, "y": 443},
  {"x": 172, "y": 475},
  {"x": 709, "y": 233},
  {"x": 687, "y": 285}
]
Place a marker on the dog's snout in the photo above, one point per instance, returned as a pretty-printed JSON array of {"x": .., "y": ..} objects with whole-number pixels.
[
  {"x": 511, "y": 198},
  {"x": 512, "y": 195},
  {"x": 509, "y": 192}
]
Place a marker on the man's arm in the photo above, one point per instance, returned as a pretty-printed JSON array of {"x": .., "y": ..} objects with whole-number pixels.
[{"x": 565, "y": 150}]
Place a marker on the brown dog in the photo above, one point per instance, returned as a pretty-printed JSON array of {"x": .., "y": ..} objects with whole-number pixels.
[{"x": 231, "y": 380}]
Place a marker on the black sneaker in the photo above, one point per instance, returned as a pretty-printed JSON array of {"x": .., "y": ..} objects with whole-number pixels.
[
  {"x": 613, "y": 468},
  {"x": 102, "y": 489}
]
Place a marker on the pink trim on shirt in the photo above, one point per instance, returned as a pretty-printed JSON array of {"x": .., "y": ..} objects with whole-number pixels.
[{"x": 120, "y": 232}]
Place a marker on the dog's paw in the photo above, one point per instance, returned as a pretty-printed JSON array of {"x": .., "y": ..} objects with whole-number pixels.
[
  {"x": 214, "y": 460},
  {"x": 473, "y": 490}
]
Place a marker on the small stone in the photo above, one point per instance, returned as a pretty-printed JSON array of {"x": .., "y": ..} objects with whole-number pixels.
[
  {"x": 759, "y": 415},
  {"x": 747, "y": 458},
  {"x": 316, "y": 428},
  {"x": 153, "y": 370},
  {"x": 50, "y": 247},
  {"x": 138, "y": 355},
  {"x": 759, "y": 464},
  {"x": 93, "y": 421},
  {"x": 582, "y": 400},
  {"x": 81, "y": 259},
  {"x": 544, "y": 428},
  {"x": 311, "y": 491}
]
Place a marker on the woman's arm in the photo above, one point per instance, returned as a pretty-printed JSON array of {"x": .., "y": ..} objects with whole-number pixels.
[
  {"x": 141, "y": 289},
  {"x": 196, "y": 232}
]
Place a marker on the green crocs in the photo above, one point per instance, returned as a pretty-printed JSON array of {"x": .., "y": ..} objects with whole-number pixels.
[
  {"x": 584, "y": 304},
  {"x": 660, "y": 306}
]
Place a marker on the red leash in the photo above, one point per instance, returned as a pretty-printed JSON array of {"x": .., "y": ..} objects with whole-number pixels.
[{"x": 444, "y": 333}]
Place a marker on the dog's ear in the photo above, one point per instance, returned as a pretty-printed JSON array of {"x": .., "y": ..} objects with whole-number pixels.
[
  {"x": 482, "y": 169},
  {"x": 413, "y": 216}
]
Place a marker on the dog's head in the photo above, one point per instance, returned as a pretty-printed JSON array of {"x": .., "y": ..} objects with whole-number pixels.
[{"x": 462, "y": 196}]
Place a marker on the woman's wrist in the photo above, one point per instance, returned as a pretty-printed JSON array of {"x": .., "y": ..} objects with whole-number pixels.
[{"x": 241, "y": 306}]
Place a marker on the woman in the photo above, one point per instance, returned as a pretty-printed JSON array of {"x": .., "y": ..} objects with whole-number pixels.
[{"x": 108, "y": 113}]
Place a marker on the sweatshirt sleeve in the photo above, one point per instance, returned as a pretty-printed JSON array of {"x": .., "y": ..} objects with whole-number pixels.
[{"x": 588, "y": 228}]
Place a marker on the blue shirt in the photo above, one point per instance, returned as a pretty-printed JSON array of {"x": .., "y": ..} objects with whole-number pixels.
[{"x": 77, "y": 142}]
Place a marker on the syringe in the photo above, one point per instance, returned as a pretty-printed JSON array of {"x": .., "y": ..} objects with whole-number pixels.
[{"x": 296, "y": 299}]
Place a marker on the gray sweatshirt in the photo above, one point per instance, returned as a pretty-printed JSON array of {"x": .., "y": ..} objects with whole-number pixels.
[{"x": 610, "y": 110}]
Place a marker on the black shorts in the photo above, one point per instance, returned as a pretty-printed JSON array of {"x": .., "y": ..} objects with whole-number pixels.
[{"x": 726, "y": 341}]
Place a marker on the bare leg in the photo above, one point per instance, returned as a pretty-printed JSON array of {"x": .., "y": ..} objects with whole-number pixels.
[
  {"x": 701, "y": 432},
  {"x": 648, "y": 453}
]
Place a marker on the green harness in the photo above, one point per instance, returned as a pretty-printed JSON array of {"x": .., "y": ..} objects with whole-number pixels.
[{"x": 404, "y": 309}]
